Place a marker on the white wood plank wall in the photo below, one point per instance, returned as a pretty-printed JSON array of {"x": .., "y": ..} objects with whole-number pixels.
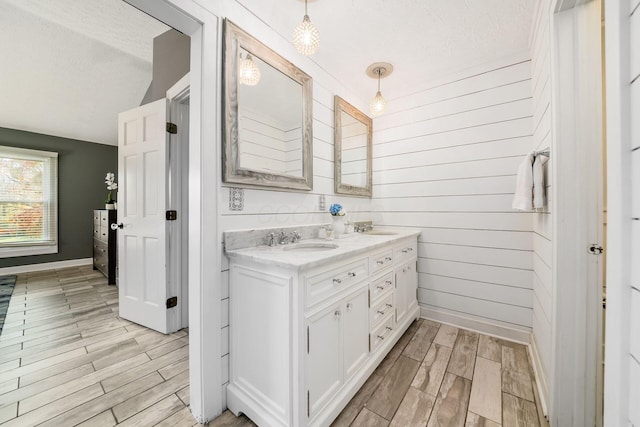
[
  {"x": 445, "y": 162},
  {"x": 542, "y": 222},
  {"x": 634, "y": 356}
]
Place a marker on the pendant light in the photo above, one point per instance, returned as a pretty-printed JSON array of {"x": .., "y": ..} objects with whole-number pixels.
[
  {"x": 379, "y": 70},
  {"x": 306, "y": 37},
  {"x": 248, "y": 71}
]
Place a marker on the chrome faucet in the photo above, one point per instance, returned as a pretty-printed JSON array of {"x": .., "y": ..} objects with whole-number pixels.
[
  {"x": 295, "y": 236},
  {"x": 271, "y": 239},
  {"x": 283, "y": 239}
]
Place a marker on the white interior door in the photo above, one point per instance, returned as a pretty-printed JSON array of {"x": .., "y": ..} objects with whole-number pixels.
[{"x": 142, "y": 200}]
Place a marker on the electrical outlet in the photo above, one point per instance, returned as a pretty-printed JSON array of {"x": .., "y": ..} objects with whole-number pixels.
[{"x": 322, "y": 202}]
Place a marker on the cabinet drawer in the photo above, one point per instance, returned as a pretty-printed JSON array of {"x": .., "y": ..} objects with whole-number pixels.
[
  {"x": 381, "y": 311},
  {"x": 104, "y": 218},
  {"x": 381, "y": 260},
  {"x": 104, "y": 233},
  {"x": 381, "y": 333},
  {"x": 405, "y": 251},
  {"x": 96, "y": 231},
  {"x": 381, "y": 286},
  {"x": 96, "y": 217},
  {"x": 99, "y": 248},
  {"x": 322, "y": 285}
]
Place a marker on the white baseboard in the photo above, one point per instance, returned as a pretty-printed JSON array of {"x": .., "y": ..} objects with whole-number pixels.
[
  {"x": 476, "y": 324},
  {"x": 46, "y": 266},
  {"x": 541, "y": 380}
]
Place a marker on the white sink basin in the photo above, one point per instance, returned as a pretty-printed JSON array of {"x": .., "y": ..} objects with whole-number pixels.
[
  {"x": 381, "y": 232},
  {"x": 310, "y": 247}
]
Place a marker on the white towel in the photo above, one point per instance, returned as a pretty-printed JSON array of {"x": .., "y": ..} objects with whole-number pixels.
[
  {"x": 539, "y": 197},
  {"x": 523, "y": 199}
]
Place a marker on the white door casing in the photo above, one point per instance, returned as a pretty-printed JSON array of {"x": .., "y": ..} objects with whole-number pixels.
[{"x": 142, "y": 245}]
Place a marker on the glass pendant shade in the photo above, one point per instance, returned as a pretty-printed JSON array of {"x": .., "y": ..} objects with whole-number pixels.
[
  {"x": 248, "y": 72},
  {"x": 378, "y": 105},
  {"x": 306, "y": 37}
]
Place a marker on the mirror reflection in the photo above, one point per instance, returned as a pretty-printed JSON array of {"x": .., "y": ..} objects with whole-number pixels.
[
  {"x": 354, "y": 151},
  {"x": 352, "y": 136},
  {"x": 268, "y": 138},
  {"x": 269, "y": 120}
]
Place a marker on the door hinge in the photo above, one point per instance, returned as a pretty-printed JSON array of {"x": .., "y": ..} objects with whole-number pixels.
[
  {"x": 307, "y": 340},
  {"x": 369, "y": 296},
  {"x": 172, "y": 215},
  {"x": 172, "y": 128},
  {"x": 369, "y": 343},
  {"x": 596, "y": 249},
  {"x": 172, "y": 302},
  {"x": 308, "y": 404}
]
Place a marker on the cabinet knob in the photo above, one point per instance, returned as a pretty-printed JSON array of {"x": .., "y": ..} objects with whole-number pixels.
[
  {"x": 337, "y": 314},
  {"x": 387, "y": 282},
  {"x": 351, "y": 274},
  {"x": 349, "y": 307},
  {"x": 337, "y": 281},
  {"x": 388, "y": 258}
]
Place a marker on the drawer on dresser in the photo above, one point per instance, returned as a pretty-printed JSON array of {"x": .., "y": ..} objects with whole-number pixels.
[
  {"x": 381, "y": 286},
  {"x": 323, "y": 284},
  {"x": 96, "y": 217},
  {"x": 100, "y": 248},
  {"x": 101, "y": 233},
  {"x": 381, "y": 260},
  {"x": 104, "y": 218},
  {"x": 381, "y": 310},
  {"x": 381, "y": 333},
  {"x": 405, "y": 251},
  {"x": 96, "y": 231}
]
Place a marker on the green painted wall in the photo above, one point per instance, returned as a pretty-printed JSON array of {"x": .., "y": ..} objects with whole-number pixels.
[{"x": 81, "y": 170}]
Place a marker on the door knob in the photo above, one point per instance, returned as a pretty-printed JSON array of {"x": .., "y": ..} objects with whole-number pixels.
[{"x": 115, "y": 226}]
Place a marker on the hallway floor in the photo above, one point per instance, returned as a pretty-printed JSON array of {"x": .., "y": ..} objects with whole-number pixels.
[{"x": 67, "y": 359}]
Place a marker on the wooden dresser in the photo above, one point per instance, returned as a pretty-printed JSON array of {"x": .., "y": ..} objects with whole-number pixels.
[{"x": 104, "y": 243}]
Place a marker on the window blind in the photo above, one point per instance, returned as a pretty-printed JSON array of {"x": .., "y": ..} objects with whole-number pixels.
[{"x": 28, "y": 198}]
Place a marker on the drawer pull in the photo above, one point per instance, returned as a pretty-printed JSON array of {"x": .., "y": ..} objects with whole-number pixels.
[
  {"x": 381, "y": 313},
  {"x": 349, "y": 307},
  {"x": 380, "y": 262},
  {"x": 404, "y": 251},
  {"x": 380, "y": 287},
  {"x": 337, "y": 281},
  {"x": 388, "y": 258},
  {"x": 337, "y": 314},
  {"x": 389, "y": 305},
  {"x": 387, "y": 282},
  {"x": 381, "y": 337},
  {"x": 389, "y": 328},
  {"x": 351, "y": 274}
]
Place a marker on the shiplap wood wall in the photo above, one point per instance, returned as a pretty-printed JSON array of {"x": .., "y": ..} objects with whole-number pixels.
[
  {"x": 634, "y": 339},
  {"x": 542, "y": 221},
  {"x": 445, "y": 162}
]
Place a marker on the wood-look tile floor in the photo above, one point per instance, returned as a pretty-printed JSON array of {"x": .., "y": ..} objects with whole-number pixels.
[
  {"x": 67, "y": 359},
  {"x": 438, "y": 375}
]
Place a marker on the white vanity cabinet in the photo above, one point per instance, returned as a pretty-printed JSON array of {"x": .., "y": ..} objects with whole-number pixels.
[{"x": 306, "y": 332}]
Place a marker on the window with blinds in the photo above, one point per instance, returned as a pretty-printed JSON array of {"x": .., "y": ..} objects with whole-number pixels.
[{"x": 28, "y": 202}]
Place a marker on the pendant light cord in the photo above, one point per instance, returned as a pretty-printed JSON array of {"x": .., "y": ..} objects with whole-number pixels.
[{"x": 305, "y": 7}]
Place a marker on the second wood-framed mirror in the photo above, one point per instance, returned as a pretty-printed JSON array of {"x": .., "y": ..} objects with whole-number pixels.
[{"x": 353, "y": 132}]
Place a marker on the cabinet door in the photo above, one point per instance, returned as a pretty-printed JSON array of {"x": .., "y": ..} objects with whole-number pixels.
[
  {"x": 355, "y": 332},
  {"x": 405, "y": 292},
  {"x": 324, "y": 358}
]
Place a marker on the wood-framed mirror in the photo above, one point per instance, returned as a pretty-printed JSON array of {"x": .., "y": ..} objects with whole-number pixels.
[
  {"x": 268, "y": 118},
  {"x": 352, "y": 147}
]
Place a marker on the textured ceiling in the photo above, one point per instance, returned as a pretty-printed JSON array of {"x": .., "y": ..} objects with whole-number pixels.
[
  {"x": 70, "y": 66},
  {"x": 423, "y": 39}
]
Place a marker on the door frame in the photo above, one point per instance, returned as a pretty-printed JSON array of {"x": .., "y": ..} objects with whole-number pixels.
[
  {"x": 203, "y": 27},
  {"x": 178, "y": 242},
  {"x": 576, "y": 164},
  {"x": 619, "y": 212}
]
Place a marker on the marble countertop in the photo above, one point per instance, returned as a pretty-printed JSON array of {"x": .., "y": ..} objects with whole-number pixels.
[{"x": 347, "y": 247}]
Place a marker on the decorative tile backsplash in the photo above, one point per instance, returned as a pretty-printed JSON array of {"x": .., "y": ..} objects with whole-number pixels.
[{"x": 236, "y": 199}]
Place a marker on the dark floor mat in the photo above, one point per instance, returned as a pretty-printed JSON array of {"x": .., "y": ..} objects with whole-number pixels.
[{"x": 7, "y": 283}]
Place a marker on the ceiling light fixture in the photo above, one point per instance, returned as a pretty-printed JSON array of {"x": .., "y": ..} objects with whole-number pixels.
[
  {"x": 248, "y": 71},
  {"x": 306, "y": 37},
  {"x": 379, "y": 70}
]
